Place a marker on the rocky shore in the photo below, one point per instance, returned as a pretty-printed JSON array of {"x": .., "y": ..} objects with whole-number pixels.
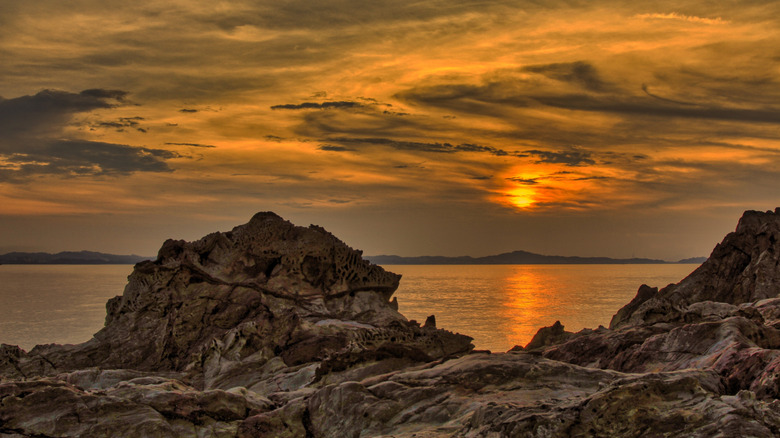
[{"x": 283, "y": 331}]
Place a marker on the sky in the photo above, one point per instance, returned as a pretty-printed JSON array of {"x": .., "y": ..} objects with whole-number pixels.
[{"x": 591, "y": 128}]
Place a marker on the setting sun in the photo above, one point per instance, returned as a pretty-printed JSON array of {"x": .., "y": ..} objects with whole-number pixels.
[{"x": 521, "y": 197}]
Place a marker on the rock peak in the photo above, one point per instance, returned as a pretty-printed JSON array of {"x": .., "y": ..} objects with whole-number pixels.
[
  {"x": 265, "y": 215},
  {"x": 751, "y": 220}
]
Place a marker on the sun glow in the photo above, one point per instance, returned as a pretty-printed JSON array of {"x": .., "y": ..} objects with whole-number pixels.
[{"x": 521, "y": 197}]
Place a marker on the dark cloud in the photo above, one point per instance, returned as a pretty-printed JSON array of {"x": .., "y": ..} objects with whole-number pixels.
[
  {"x": 489, "y": 98},
  {"x": 49, "y": 110},
  {"x": 468, "y": 147},
  {"x": 195, "y": 145},
  {"x": 120, "y": 124},
  {"x": 643, "y": 107},
  {"x": 301, "y": 14},
  {"x": 394, "y": 113},
  {"x": 526, "y": 181},
  {"x": 315, "y": 105},
  {"x": 332, "y": 148},
  {"x": 581, "y": 73},
  {"x": 32, "y": 140},
  {"x": 100, "y": 93},
  {"x": 677, "y": 102},
  {"x": 591, "y": 178},
  {"x": 416, "y": 146},
  {"x": 569, "y": 158},
  {"x": 85, "y": 158},
  {"x": 188, "y": 110},
  {"x": 719, "y": 99}
]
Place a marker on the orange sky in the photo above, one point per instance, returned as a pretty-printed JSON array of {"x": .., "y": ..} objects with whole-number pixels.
[{"x": 414, "y": 128}]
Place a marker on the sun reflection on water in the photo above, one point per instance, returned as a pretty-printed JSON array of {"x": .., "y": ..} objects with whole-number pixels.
[
  {"x": 527, "y": 304},
  {"x": 501, "y": 306}
]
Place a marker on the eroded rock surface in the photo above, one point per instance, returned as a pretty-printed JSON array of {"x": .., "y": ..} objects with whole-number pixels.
[{"x": 278, "y": 330}]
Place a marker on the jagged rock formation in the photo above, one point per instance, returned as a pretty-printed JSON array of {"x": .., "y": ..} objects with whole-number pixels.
[
  {"x": 231, "y": 302},
  {"x": 723, "y": 317},
  {"x": 278, "y": 330}
]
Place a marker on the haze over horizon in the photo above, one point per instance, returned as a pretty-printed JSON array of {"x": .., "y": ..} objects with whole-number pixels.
[{"x": 601, "y": 128}]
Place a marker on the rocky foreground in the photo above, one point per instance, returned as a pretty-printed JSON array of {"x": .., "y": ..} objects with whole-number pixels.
[{"x": 284, "y": 331}]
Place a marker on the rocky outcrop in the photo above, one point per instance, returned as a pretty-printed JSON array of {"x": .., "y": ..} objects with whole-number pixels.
[
  {"x": 278, "y": 330},
  {"x": 233, "y": 307},
  {"x": 723, "y": 317}
]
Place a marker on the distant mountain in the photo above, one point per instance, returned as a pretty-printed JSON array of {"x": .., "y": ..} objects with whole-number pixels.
[
  {"x": 516, "y": 258},
  {"x": 697, "y": 260},
  {"x": 69, "y": 258}
]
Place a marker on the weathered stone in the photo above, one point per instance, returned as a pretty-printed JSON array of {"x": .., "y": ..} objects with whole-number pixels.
[{"x": 555, "y": 334}]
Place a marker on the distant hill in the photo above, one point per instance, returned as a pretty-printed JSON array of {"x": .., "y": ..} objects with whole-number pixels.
[
  {"x": 69, "y": 258},
  {"x": 697, "y": 260},
  {"x": 516, "y": 258}
]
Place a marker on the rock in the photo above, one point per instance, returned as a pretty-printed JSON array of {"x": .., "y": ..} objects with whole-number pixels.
[
  {"x": 741, "y": 269},
  {"x": 268, "y": 306},
  {"x": 228, "y": 303},
  {"x": 284, "y": 331},
  {"x": 723, "y": 317},
  {"x": 555, "y": 334}
]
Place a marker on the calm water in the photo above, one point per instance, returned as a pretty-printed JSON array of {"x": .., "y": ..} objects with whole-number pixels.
[
  {"x": 499, "y": 306},
  {"x": 63, "y": 304}
]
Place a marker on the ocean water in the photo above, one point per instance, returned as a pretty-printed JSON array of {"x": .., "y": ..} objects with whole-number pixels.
[
  {"x": 498, "y": 305},
  {"x": 501, "y": 306},
  {"x": 63, "y": 304}
]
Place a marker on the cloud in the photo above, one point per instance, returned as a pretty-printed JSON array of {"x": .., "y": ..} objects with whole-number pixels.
[
  {"x": 525, "y": 181},
  {"x": 194, "y": 145},
  {"x": 120, "y": 124},
  {"x": 569, "y": 158},
  {"x": 332, "y": 148},
  {"x": 416, "y": 146},
  {"x": 580, "y": 72},
  {"x": 84, "y": 158},
  {"x": 512, "y": 92},
  {"x": 639, "y": 107},
  {"x": 315, "y": 105},
  {"x": 32, "y": 138},
  {"x": 49, "y": 110},
  {"x": 681, "y": 17}
]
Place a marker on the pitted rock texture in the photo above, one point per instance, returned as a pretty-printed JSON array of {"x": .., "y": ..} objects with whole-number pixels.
[{"x": 273, "y": 330}]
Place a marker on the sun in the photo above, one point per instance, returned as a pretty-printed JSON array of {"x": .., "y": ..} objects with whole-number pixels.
[{"x": 521, "y": 197}]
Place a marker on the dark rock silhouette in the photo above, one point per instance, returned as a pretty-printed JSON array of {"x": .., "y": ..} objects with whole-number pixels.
[{"x": 278, "y": 330}]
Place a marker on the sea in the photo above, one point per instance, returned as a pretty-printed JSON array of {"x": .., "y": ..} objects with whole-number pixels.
[{"x": 500, "y": 306}]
